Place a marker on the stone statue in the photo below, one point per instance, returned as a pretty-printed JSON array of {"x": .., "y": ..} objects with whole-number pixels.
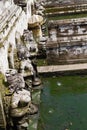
[
  {"x": 23, "y": 55},
  {"x": 21, "y": 106},
  {"x": 35, "y": 78},
  {"x": 34, "y": 64},
  {"x": 15, "y": 80},
  {"x": 26, "y": 61}
]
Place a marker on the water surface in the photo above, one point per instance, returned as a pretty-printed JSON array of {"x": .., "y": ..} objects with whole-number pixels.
[{"x": 64, "y": 103}]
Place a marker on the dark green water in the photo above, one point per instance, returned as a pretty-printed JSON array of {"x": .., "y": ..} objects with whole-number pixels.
[{"x": 64, "y": 103}]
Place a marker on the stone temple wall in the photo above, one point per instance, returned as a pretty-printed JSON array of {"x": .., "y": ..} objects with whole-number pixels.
[
  {"x": 12, "y": 20},
  {"x": 67, "y": 41},
  {"x": 52, "y": 3}
]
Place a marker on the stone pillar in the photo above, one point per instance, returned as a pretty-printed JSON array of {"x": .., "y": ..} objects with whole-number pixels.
[
  {"x": 37, "y": 33},
  {"x": 29, "y": 8}
]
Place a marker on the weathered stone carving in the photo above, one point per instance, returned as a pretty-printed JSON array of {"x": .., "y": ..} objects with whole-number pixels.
[
  {"x": 23, "y": 55},
  {"x": 39, "y": 8},
  {"x": 14, "y": 79},
  {"x": 12, "y": 19},
  {"x": 34, "y": 23},
  {"x": 35, "y": 78},
  {"x": 21, "y": 106},
  {"x": 30, "y": 42}
]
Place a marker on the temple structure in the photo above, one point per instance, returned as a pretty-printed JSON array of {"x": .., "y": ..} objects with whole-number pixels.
[
  {"x": 17, "y": 47},
  {"x": 67, "y": 31},
  {"x": 13, "y": 19},
  {"x": 27, "y": 34}
]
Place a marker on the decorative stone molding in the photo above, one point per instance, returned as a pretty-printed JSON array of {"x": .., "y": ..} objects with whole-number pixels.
[{"x": 11, "y": 20}]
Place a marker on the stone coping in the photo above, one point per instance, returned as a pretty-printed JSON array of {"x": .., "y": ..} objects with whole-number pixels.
[{"x": 62, "y": 68}]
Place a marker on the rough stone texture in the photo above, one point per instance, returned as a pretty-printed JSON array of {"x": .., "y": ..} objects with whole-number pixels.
[
  {"x": 2, "y": 114},
  {"x": 69, "y": 38},
  {"x": 62, "y": 68},
  {"x": 13, "y": 20},
  {"x": 52, "y": 3}
]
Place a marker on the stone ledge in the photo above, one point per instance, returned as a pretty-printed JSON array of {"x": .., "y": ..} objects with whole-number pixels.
[{"x": 62, "y": 68}]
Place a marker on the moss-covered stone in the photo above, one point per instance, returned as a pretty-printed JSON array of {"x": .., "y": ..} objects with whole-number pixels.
[
  {"x": 2, "y": 83},
  {"x": 1, "y": 45}
]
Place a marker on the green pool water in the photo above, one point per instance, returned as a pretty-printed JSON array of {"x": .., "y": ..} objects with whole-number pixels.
[{"x": 64, "y": 103}]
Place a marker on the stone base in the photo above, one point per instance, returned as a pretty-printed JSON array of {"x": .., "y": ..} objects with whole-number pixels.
[{"x": 36, "y": 82}]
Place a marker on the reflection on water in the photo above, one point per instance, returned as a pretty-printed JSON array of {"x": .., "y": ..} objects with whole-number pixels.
[
  {"x": 59, "y": 84},
  {"x": 64, "y": 106}
]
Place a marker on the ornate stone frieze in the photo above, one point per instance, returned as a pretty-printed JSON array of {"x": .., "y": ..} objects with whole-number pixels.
[{"x": 7, "y": 20}]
